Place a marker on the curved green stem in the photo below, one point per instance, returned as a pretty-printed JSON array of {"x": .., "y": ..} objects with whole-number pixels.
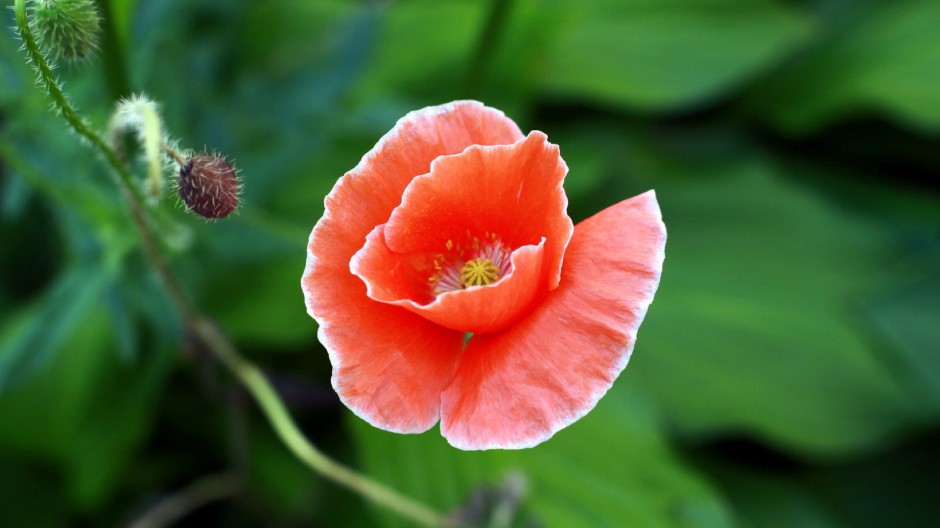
[
  {"x": 60, "y": 101},
  {"x": 122, "y": 175},
  {"x": 246, "y": 372},
  {"x": 139, "y": 114},
  {"x": 285, "y": 427}
]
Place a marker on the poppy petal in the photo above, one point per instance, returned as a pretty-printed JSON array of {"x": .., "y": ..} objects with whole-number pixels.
[
  {"x": 508, "y": 195},
  {"x": 365, "y": 196},
  {"x": 517, "y": 388},
  {"x": 391, "y": 371},
  {"x": 397, "y": 279},
  {"x": 389, "y": 365},
  {"x": 513, "y": 192}
]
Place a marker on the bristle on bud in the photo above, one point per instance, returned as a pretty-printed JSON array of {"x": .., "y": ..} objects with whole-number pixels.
[
  {"x": 66, "y": 29},
  {"x": 209, "y": 186}
]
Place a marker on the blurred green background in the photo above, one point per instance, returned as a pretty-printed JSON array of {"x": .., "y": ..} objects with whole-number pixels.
[{"x": 788, "y": 372}]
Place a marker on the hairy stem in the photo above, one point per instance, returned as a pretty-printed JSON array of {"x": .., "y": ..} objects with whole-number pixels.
[
  {"x": 208, "y": 334},
  {"x": 61, "y": 103}
]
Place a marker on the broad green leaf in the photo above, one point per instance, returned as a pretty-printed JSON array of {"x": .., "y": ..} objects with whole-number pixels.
[
  {"x": 886, "y": 489},
  {"x": 127, "y": 340},
  {"x": 14, "y": 197},
  {"x": 283, "y": 35},
  {"x": 612, "y": 468},
  {"x": 662, "y": 55},
  {"x": 422, "y": 47},
  {"x": 506, "y": 68},
  {"x": 755, "y": 328},
  {"x": 268, "y": 306},
  {"x": 897, "y": 488},
  {"x": 879, "y": 56},
  {"x": 115, "y": 422},
  {"x": 907, "y": 319},
  {"x": 29, "y": 496},
  {"x": 68, "y": 189},
  {"x": 279, "y": 478},
  {"x": 38, "y": 333},
  {"x": 772, "y": 499},
  {"x": 86, "y": 413},
  {"x": 294, "y": 491}
]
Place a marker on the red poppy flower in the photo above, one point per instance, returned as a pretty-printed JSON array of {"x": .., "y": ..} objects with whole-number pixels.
[{"x": 455, "y": 225}]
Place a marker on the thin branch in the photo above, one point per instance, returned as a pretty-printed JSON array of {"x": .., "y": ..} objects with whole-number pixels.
[
  {"x": 176, "y": 156},
  {"x": 187, "y": 500}
]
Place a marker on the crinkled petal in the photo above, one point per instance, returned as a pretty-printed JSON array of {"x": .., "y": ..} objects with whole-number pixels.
[
  {"x": 512, "y": 191},
  {"x": 517, "y": 388},
  {"x": 390, "y": 370},
  {"x": 397, "y": 278},
  {"x": 389, "y": 365},
  {"x": 366, "y": 195}
]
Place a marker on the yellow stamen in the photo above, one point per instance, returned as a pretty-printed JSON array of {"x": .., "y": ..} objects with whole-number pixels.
[{"x": 479, "y": 272}]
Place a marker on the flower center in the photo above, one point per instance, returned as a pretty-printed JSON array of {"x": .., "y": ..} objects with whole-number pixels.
[
  {"x": 479, "y": 272},
  {"x": 478, "y": 262}
]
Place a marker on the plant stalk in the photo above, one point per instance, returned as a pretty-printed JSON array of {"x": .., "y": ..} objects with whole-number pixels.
[{"x": 246, "y": 372}]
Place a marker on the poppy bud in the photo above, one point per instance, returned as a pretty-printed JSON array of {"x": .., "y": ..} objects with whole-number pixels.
[
  {"x": 209, "y": 186},
  {"x": 66, "y": 29}
]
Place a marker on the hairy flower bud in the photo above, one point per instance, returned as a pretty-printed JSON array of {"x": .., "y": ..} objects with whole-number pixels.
[
  {"x": 209, "y": 186},
  {"x": 66, "y": 29}
]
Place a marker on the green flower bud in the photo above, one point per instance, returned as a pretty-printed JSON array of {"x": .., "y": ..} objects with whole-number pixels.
[{"x": 66, "y": 29}]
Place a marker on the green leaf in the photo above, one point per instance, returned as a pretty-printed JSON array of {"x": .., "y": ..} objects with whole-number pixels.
[
  {"x": 612, "y": 468},
  {"x": 115, "y": 423},
  {"x": 292, "y": 491},
  {"x": 771, "y": 499},
  {"x": 662, "y": 55},
  {"x": 878, "y": 56},
  {"x": 29, "y": 496},
  {"x": 72, "y": 192},
  {"x": 422, "y": 47},
  {"x": 268, "y": 308},
  {"x": 305, "y": 33},
  {"x": 33, "y": 337},
  {"x": 754, "y": 328},
  {"x": 86, "y": 413},
  {"x": 127, "y": 340},
  {"x": 906, "y": 318},
  {"x": 897, "y": 488}
]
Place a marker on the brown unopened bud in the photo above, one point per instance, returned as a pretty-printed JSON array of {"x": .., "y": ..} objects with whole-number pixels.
[{"x": 209, "y": 186}]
